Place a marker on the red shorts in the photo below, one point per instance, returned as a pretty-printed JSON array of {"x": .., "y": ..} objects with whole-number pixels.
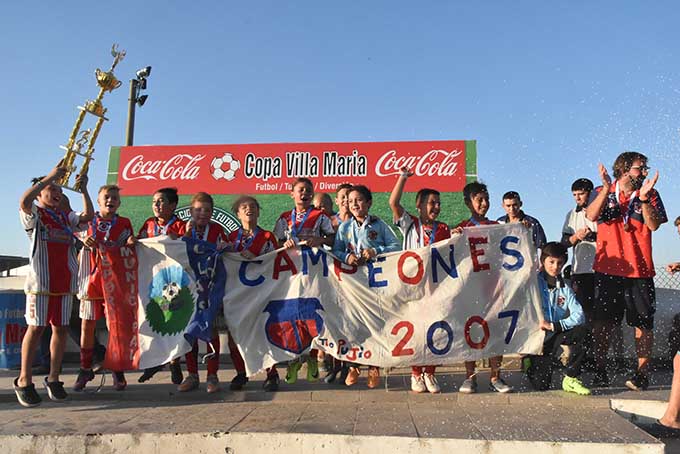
[
  {"x": 92, "y": 298},
  {"x": 43, "y": 310}
]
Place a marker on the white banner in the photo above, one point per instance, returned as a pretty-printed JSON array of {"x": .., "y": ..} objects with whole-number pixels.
[
  {"x": 167, "y": 295},
  {"x": 471, "y": 297}
]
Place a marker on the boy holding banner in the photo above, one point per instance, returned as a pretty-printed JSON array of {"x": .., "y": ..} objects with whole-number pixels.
[
  {"x": 359, "y": 240},
  {"x": 308, "y": 226},
  {"x": 52, "y": 278},
  {"x": 106, "y": 230},
  {"x": 476, "y": 196},
  {"x": 419, "y": 232}
]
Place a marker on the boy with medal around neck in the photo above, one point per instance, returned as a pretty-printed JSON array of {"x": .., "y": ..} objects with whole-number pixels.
[
  {"x": 418, "y": 232},
  {"x": 249, "y": 240},
  {"x": 627, "y": 212},
  {"x": 163, "y": 222},
  {"x": 106, "y": 230},
  {"x": 359, "y": 240},
  {"x": 200, "y": 227},
  {"x": 304, "y": 225},
  {"x": 52, "y": 279},
  {"x": 476, "y": 197}
]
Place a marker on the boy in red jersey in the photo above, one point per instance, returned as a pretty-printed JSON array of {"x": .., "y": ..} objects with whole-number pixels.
[
  {"x": 200, "y": 227},
  {"x": 476, "y": 197},
  {"x": 52, "y": 279},
  {"x": 106, "y": 230},
  {"x": 304, "y": 225},
  {"x": 627, "y": 212},
  {"x": 163, "y": 222},
  {"x": 250, "y": 240},
  {"x": 419, "y": 232}
]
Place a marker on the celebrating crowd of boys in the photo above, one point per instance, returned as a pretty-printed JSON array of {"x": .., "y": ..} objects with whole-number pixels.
[{"x": 609, "y": 230}]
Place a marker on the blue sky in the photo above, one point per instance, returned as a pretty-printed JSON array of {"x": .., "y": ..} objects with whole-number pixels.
[{"x": 547, "y": 91}]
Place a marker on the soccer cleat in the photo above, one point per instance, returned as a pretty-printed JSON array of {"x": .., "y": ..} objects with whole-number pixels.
[
  {"x": 500, "y": 386},
  {"x": 639, "y": 381},
  {"x": 212, "y": 384},
  {"x": 149, "y": 373},
  {"x": 84, "y": 376},
  {"x": 431, "y": 384},
  {"x": 312, "y": 370},
  {"x": 469, "y": 386},
  {"x": 292, "y": 372},
  {"x": 574, "y": 385},
  {"x": 352, "y": 376},
  {"x": 271, "y": 383},
  {"x": 119, "y": 382},
  {"x": 373, "y": 377},
  {"x": 26, "y": 395},
  {"x": 190, "y": 383},
  {"x": 238, "y": 382},
  {"x": 55, "y": 390},
  {"x": 418, "y": 384},
  {"x": 176, "y": 374}
]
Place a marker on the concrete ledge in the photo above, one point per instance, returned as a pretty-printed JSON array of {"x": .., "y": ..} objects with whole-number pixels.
[{"x": 266, "y": 443}]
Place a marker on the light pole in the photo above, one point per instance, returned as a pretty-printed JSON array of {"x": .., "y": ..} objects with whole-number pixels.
[{"x": 136, "y": 86}]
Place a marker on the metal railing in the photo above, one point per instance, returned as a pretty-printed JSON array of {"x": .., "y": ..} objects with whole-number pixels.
[{"x": 664, "y": 279}]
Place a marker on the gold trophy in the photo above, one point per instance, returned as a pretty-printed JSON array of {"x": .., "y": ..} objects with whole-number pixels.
[{"x": 79, "y": 139}]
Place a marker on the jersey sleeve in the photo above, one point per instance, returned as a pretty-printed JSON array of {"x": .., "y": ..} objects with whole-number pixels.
[
  {"x": 29, "y": 220},
  {"x": 657, "y": 204},
  {"x": 280, "y": 229},
  {"x": 325, "y": 225},
  {"x": 405, "y": 222}
]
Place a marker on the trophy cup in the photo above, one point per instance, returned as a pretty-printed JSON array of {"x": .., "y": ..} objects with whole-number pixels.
[{"x": 86, "y": 138}]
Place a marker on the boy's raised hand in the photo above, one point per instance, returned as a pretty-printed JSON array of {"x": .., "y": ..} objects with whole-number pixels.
[
  {"x": 406, "y": 172},
  {"x": 57, "y": 173},
  {"x": 604, "y": 176},
  {"x": 648, "y": 185},
  {"x": 81, "y": 182}
]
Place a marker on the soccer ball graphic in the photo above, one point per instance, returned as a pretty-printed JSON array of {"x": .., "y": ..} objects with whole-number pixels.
[
  {"x": 171, "y": 290},
  {"x": 225, "y": 167}
]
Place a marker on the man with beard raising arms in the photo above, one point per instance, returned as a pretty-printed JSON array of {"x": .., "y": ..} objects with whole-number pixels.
[{"x": 627, "y": 212}]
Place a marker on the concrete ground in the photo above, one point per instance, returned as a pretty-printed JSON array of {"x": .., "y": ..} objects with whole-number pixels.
[{"x": 315, "y": 417}]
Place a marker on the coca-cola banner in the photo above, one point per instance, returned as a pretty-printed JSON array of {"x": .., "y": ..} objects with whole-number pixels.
[{"x": 270, "y": 168}]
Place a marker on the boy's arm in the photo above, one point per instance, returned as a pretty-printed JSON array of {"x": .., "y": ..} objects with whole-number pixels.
[
  {"x": 596, "y": 206},
  {"x": 391, "y": 242},
  {"x": 397, "y": 191},
  {"x": 340, "y": 246},
  {"x": 576, "y": 316},
  {"x": 26, "y": 201},
  {"x": 88, "y": 209}
]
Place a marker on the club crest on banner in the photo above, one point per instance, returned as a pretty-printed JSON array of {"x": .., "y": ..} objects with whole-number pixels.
[
  {"x": 171, "y": 300},
  {"x": 293, "y": 323}
]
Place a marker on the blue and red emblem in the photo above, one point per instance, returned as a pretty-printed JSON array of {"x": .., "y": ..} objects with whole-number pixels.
[{"x": 293, "y": 323}]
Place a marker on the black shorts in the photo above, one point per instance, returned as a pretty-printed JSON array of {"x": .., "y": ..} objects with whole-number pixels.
[
  {"x": 615, "y": 295},
  {"x": 584, "y": 288}
]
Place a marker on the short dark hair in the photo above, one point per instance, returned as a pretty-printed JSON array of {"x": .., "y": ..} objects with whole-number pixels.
[
  {"x": 625, "y": 160},
  {"x": 424, "y": 194},
  {"x": 241, "y": 200},
  {"x": 37, "y": 180},
  {"x": 511, "y": 195},
  {"x": 363, "y": 190},
  {"x": 343, "y": 186},
  {"x": 553, "y": 249},
  {"x": 170, "y": 194},
  {"x": 303, "y": 180},
  {"x": 677, "y": 221},
  {"x": 582, "y": 184},
  {"x": 472, "y": 189}
]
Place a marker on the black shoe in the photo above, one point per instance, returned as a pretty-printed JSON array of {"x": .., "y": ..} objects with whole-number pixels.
[
  {"x": 238, "y": 382},
  {"x": 343, "y": 373},
  {"x": 271, "y": 383},
  {"x": 600, "y": 379},
  {"x": 639, "y": 381},
  {"x": 55, "y": 390},
  {"x": 26, "y": 395},
  {"x": 149, "y": 373},
  {"x": 84, "y": 376},
  {"x": 176, "y": 374}
]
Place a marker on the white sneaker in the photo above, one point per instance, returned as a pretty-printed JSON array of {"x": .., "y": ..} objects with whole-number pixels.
[
  {"x": 500, "y": 386},
  {"x": 431, "y": 384},
  {"x": 418, "y": 384},
  {"x": 469, "y": 386}
]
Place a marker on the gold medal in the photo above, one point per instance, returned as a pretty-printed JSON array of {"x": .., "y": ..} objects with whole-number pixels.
[{"x": 627, "y": 227}]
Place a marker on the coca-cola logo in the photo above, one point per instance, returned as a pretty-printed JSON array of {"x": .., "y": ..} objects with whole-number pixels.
[
  {"x": 440, "y": 163},
  {"x": 178, "y": 167}
]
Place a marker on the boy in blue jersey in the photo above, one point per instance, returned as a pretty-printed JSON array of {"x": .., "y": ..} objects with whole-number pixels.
[
  {"x": 564, "y": 324},
  {"x": 359, "y": 240}
]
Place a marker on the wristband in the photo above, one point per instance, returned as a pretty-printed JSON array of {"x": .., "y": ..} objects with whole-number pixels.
[
  {"x": 404, "y": 174},
  {"x": 644, "y": 201}
]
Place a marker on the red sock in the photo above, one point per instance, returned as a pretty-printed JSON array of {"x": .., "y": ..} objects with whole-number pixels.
[
  {"x": 86, "y": 357},
  {"x": 192, "y": 360},
  {"x": 430, "y": 369},
  {"x": 214, "y": 360}
]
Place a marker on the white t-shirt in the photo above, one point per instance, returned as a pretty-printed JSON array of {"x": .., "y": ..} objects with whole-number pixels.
[{"x": 584, "y": 251}]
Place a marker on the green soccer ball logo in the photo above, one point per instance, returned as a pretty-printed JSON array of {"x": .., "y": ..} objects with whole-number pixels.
[{"x": 171, "y": 301}]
